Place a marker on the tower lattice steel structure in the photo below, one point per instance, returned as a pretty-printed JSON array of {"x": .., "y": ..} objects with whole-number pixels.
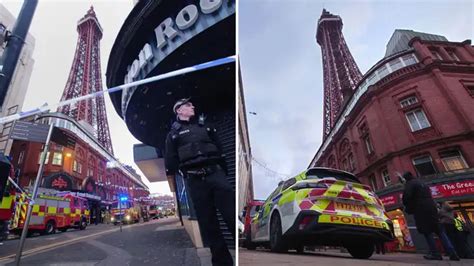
[
  {"x": 341, "y": 73},
  {"x": 85, "y": 78}
]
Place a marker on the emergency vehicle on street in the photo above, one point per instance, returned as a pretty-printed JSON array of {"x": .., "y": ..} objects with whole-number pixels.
[
  {"x": 50, "y": 213},
  {"x": 126, "y": 212},
  {"x": 154, "y": 212},
  {"x": 249, "y": 212},
  {"x": 322, "y": 206}
]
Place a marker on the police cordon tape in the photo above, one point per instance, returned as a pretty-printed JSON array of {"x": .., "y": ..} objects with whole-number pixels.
[{"x": 174, "y": 73}]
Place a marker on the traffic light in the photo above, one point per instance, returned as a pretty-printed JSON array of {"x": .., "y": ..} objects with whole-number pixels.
[{"x": 4, "y": 173}]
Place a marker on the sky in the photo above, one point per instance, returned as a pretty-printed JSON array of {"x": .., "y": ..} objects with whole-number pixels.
[
  {"x": 54, "y": 29},
  {"x": 281, "y": 67}
]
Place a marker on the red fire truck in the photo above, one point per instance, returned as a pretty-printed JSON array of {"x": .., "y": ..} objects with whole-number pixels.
[
  {"x": 126, "y": 212},
  {"x": 50, "y": 213},
  {"x": 248, "y": 213}
]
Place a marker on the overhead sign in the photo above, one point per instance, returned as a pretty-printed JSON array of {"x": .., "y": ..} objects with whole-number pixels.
[
  {"x": 29, "y": 131},
  {"x": 170, "y": 34},
  {"x": 59, "y": 181},
  {"x": 63, "y": 138},
  {"x": 391, "y": 200},
  {"x": 89, "y": 185},
  {"x": 453, "y": 189}
]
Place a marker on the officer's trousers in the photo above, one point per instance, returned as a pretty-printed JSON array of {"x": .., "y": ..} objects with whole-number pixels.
[{"x": 208, "y": 194}]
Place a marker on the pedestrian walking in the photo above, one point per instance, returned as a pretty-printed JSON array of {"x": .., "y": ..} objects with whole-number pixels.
[
  {"x": 446, "y": 219},
  {"x": 193, "y": 148},
  {"x": 418, "y": 201},
  {"x": 462, "y": 233}
]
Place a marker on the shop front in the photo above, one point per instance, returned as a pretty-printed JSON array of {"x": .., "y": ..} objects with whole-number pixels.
[{"x": 457, "y": 191}]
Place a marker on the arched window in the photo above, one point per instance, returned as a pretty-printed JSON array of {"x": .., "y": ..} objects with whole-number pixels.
[
  {"x": 331, "y": 162},
  {"x": 344, "y": 147}
]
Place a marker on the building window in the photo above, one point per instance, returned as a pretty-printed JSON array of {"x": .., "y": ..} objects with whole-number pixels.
[
  {"x": 409, "y": 59},
  {"x": 21, "y": 157},
  {"x": 372, "y": 79},
  {"x": 453, "y": 160},
  {"x": 424, "y": 165},
  {"x": 331, "y": 162},
  {"x": 395, "y": 64},
  {"x": 435, "y": 55},
  {"x": 364, "y": 132},
  {"x": 77, "y": 167},
  {"x": 345, "y": 166},
  {"x": 383, "y": 71},
  {"x": 386, "y": 178},
  {"x": 90, "y": 172},
  {"x": 350, "y": 157},
  {"x": 417, "y": 120},
  {"x": 368, "y": 144},
  {"x": 453, "y": 55},
  {"x": 408, "y": 101},
  {"x": 470, "y": 89},
  {"x": 47, "y": 158},
  {"x": 57, "y": 158},
  {"x": 373, "y": 182}
]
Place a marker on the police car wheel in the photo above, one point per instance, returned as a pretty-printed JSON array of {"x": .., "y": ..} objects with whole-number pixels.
[
  {"x": 361, "y": 251},
  {"x": 276, "y": 242}
]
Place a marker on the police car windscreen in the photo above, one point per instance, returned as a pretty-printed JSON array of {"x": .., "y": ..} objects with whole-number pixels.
[
  {"x": 324, "y": 173},
  {"x": 253, "y": 211}
]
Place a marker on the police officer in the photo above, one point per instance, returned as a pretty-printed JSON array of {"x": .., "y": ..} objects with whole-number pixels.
[{"x": 192, "y": 147}]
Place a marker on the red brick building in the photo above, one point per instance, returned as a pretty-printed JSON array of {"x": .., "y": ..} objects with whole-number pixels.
[
  {"x": 413, "y": 110},
  {"x": 82, "y": 165}
]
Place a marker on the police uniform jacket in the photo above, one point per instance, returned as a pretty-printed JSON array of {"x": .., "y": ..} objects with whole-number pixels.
[{"x": 190, "y": 145}]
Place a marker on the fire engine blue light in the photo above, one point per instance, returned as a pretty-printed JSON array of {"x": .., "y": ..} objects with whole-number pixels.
[{"x": 124, "y": 198}]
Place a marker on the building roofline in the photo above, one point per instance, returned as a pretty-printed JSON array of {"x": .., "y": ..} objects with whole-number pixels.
[{"x": 108, "y": 155}]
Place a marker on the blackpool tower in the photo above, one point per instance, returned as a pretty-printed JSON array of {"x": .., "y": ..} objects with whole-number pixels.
[
  {"x": 85, "y": 78},
  {"x": 341, "y": 73}
]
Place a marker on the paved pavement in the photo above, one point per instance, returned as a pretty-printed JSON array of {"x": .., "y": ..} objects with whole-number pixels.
[
  {"x": 158, "y": 242},
  {"x": 262, "y": 257}
]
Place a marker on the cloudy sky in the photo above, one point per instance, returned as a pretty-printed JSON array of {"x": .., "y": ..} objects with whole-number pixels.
[
  {"x": 54, "y": 28},
  {"x": 282, "y": 67}
]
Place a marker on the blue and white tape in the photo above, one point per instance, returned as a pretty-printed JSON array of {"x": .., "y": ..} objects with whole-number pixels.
[{"x": 178, "y": 72}]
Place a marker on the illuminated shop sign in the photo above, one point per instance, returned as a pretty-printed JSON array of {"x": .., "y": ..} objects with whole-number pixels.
[
  {"x": 58, "y": 181},
  {"x": 454, "y": 189}
]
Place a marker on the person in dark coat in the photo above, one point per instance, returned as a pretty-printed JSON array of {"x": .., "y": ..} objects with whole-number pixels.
[{"x": 418, "y": 201}]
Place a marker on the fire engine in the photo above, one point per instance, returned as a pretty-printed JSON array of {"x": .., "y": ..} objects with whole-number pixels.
[
  {"x": 6, "y": 207},
  {"x": 154, "y": 212},
  {"x": 126, "y": 212},
  {"x": 7, "y": 202},
  {"x": 50, "y": 213}
]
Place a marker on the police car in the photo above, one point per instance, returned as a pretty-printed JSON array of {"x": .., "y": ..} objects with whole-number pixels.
[{"x": 322, "y": 206}]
